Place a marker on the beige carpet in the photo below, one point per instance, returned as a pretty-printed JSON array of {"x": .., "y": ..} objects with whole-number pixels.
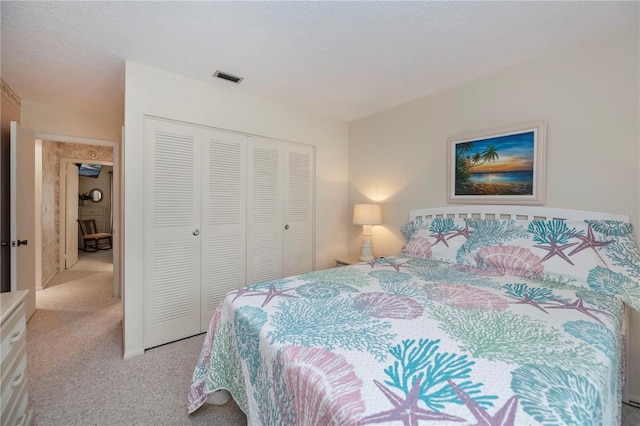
[
  {"x": 76, "y": 372},
  {"x": 77, "y": 375}
]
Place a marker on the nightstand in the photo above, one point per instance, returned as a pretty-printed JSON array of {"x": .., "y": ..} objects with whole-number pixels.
[{"x": 348, "y": 260}]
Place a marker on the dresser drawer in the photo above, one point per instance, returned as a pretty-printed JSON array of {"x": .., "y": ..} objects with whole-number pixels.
[
  {"x": 12, "y": 383},
  {"x": 16, "y": 411},
  {"x": 14, "y": 329},
  {"x": 14, "y": 397}
]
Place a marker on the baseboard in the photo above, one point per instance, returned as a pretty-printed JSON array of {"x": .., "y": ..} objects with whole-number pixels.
[
  {"x": 634, "y": 398},
  {"x": 133, "y": 354}
]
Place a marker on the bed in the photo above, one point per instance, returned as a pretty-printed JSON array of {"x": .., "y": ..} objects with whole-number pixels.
[{"x": 489, "y": 315}]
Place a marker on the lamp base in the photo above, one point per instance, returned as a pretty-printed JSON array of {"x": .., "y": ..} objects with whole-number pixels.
[{"x": 366, "y": 248}]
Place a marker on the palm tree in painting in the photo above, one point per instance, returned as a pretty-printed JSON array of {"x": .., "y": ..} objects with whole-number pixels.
[
  {"x": 462, "y": 173},
  {"x": 490, "y": 154},
  {"x": 464, "y": 164},
  {"x": 463, "y": 148}
]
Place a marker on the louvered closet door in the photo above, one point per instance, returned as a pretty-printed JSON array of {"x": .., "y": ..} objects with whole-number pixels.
[
  {"x": 264, "y": 211},
  {"x": 172, "y": 266},
  {"x": 224, "y": 207},
  {"x": 298, "y": 209}
]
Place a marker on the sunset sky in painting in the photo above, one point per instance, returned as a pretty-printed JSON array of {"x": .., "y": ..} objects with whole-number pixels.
[{"x": 515, "y": 153}]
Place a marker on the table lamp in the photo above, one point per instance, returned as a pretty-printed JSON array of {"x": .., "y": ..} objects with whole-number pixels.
[{"x": 367, "y": 215}]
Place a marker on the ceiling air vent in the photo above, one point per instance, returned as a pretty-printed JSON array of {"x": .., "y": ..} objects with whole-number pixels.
[{"x": 229, "y": 77}]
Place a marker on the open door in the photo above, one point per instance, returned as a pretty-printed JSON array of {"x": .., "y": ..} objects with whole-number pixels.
[
  {"x": 71, "y": 201},
  {"x": 23, "y": 217}
]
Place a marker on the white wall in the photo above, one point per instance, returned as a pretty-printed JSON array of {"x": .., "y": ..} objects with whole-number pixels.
[
  {"x": 589, "y": 96},
  {"x": 59, "y": 120},
  {"x": 150, "y": 91}
]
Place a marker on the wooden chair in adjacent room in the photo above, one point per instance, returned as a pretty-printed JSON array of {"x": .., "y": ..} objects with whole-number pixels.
[{"x": 92, "y": 239}]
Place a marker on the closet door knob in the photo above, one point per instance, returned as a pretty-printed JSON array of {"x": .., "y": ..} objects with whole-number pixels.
[
  {"x": 196, "y": 232},
  {"x": 286, "y": 227}
]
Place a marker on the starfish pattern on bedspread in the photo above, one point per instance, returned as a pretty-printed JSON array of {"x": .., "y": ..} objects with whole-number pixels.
[
  {"x": 554, "y": 249},
  {"x": 405, "y": 410},
  {"x": 505, "y": 416},
  {"x": 526, "y": 300},
  {"x": 578, "y": 305},
  {"x": 440, "y": 236},
  {"x": 269, "y": 294},
  {"x": 395, "y": 265},
  {"x": 383, "y": 261},
  {"x": 589, "y": 242},
  {"x": 464, "y": 232},
  {"x": 373, "y": 262},
  {"x": 241, "y": 292}
]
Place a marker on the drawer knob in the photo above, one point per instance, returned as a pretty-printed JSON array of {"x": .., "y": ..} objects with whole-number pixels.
[
  {"x": 18, "y": 380},
  {"x": 17, "y": 336}
]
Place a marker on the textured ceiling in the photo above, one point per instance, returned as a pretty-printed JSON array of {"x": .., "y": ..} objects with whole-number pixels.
[{"x": 341, "y": 59}]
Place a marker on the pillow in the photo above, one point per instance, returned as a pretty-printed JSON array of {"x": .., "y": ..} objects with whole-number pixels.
[
  {"x": 448, "y": 236},
  {"x": 437, "y": 238},
  {"x": 565, "y": 248},
  {"x": 419, "y": 245},
  {"x": 618, "y": 250},
  {"x": 411, "y": 227},
  {"x": 509, "y": 247},
  {"x": 595, "y": 254}
]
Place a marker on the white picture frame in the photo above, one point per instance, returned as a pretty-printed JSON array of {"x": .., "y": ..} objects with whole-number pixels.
[{"x": 498, "y": 166}]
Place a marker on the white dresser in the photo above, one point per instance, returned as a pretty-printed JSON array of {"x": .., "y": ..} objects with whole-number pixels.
[{"x": 13, "y": 360}]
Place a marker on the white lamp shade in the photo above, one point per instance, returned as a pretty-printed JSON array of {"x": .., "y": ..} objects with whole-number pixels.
[{"x": 367, "y": 214}]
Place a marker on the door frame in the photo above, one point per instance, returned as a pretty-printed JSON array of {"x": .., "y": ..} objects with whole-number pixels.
[
  {"x": 62, "y": 201},
  {"x": 116, "y": 197},
  {"x": 67, "y": 205}
]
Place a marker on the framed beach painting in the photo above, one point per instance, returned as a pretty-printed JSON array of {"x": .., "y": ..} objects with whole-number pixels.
[{"x": 501, "y": 166}]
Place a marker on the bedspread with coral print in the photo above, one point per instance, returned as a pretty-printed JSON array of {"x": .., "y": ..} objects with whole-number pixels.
[{"x": 415, "y": 341}]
